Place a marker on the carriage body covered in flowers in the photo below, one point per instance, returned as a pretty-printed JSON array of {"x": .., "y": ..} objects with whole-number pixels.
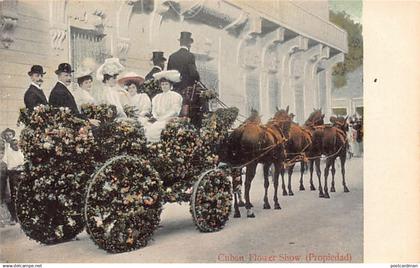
[{"x": 112, "y": 181}]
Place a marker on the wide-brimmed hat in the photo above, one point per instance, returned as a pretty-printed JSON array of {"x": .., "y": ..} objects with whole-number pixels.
[
  {"x": 131, "y": 76},
  {"x": 3, "y": 133},
  {"x": 36, "y": 69},
  {"x": 172, "y": 76},
  {"x": 111, "y": 66},
  {"x": 64, "y": 68},
  {"x": 82, "y": 72},
  {"x": 186, "y": 36},
  {"x": 158, "y": 55}
]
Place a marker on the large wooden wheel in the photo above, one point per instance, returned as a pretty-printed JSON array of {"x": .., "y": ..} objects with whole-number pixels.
[
  {"x": 123, "y": 204},
  {"x": 211, "y": 200}
]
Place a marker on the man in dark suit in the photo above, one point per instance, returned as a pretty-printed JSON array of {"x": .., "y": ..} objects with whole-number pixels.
[
  {"x": 158, "y": 62},
  {"x": 34, "y": 95},
  {"x": 184, "y": 61},
  {"x": 60, "y": 95}
]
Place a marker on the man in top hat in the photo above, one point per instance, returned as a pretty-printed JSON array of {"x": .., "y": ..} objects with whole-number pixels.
[
  {"x": 158, "y": 62},
  {"x": 34, "y": 95},
  {"x": 184, "y": 62}
]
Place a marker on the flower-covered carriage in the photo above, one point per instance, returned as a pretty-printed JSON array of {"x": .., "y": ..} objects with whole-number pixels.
[{"x": 112, "y": 181}]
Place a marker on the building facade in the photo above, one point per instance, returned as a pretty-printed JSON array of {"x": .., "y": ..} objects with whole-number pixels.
[
  {"x": 348, "y": 100},
  {"x": 256, "y": 54}
]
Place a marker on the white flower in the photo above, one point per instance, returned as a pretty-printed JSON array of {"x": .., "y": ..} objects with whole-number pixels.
[
  {"x": 71, "y": 222},
  {"x": 47, "y": 145},
  {"x": 107, "y": 187},
  {"x": 59, "y": 231},
  {"x": 98, "y": 221}
]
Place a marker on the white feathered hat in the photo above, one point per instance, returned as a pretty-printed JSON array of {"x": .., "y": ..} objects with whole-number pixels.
[
  {"x": 172, "y": 75},
  {"x": 111, "y": 66},
  {"x": 82, "y": 71}
]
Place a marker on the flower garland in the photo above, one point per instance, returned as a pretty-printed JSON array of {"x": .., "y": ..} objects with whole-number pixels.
[
  {"x": 115, "y": 137},
  {"x": 124, "y": 204},
  {"x": 131, "y": 111},
  {"x": 58, "y": 149},
  {"x": 211, "y": 201},
  {"x": 102, "y": 112},
  {"x": 174, "y": 158},
  {"x": 120, "y": 137}
]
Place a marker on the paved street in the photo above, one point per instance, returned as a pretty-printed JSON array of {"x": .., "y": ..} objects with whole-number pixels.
[{"x": 306, "y": 228}]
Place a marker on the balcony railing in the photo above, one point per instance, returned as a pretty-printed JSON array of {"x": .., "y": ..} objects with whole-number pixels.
[{"x": 299, "y": 20}]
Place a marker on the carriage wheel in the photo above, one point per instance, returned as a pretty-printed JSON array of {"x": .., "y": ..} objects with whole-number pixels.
[
  {"x": 50, "y": 214},
  {"x": 123, "y": 204},
  {"x": 211, "y": 201}
]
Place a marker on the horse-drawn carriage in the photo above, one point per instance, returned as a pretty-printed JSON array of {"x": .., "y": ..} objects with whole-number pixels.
[{"x": 113, "y": 182}]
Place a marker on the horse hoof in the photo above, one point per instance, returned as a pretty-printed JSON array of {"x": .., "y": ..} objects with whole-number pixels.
[
  {"x": 321, "y": 195},
  {"x": 313, "y": 188},
  {"x": 332, "y": 190},
  {"x": 291, "y": 193},
  {"x": 277, "y": 206},
  {"x": 241, "y": 203},
  {"x": 346, "y": 190},
  {"x": 251, "y": 215},
  {"x": 237, "y": 215},
  {"x": 284, "y": 193},
  {"x": 266, "y": 206},
  {"x": 326, "y": 195},
  {"x": 301, "y": 188}
]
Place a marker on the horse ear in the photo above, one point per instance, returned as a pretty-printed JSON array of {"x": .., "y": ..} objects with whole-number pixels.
[
  {"x": 287, "y": 109},
  {"x": 345, "y": 119},
  {"x": 277, "y": 108}
]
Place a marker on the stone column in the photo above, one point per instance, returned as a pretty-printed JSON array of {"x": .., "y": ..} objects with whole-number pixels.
[
  {"x": 58, "y": 24},
  {"x": 285, "y": 52},
  {"x": 328, "y": 65},
  {"x": 301, "y": 79},
  {"x": 269, "y": 68},
  {"x": 312, "y": 85},
  {"x": 248, "y": 57}
]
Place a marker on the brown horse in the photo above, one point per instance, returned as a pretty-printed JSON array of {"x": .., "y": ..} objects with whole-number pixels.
[
  {"x": 314, "y": 125},
  {"x": 297, "y": 145},
  {"x": 335, "y": 145},
  {"x": 253, "y": 143}
]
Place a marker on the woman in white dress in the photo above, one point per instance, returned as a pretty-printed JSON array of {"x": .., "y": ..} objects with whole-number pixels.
[
  {"x": 165, "y": 105},
  {"x": 111, "y": 93},
  {"x": 83, "y": 92},
  {"x": 141, "y": 101}
]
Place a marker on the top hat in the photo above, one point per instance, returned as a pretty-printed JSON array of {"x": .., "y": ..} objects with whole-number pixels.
[
  {"x": 3, "y": 133},
  {"x": 64, "y": 68},
  {"x": 186, "y": 36},
  {"x": 36, "y": 69},
  {"x": 158, "y": 55}
]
